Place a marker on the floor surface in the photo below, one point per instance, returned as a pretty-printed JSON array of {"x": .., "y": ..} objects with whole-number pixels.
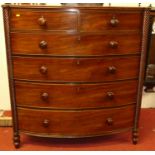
[{"x": 113, "y": 142}]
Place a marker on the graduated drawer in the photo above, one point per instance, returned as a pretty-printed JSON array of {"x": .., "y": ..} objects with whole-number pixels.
[
  {"x": 62, "y": 44},
  {"x": 59, "y": 123},
  {"x": 37, "y": 19},
  {"x": 114, "y": 20},
  {"x": 75, "y": 96},
  {"x": 76, "y": 69}
]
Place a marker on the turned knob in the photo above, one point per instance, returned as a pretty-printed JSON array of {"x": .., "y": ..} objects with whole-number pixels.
[
  {"x": 109, "y": 121},
  {"x": 43, "y": 44},
  {"x": 110, "y": 95},
  {"x": 43, "y": 70},
  {"x": 46, "y": 123},
  {"x": 42, "y": 21},
  {"x": 112, "y": 69},
  {"x": 114, "y": 21},
  {"x": 113, "y": 44},
  {"x": 44, "y": 96}
]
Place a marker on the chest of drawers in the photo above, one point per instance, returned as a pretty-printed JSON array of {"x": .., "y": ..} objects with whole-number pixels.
[{"x": 75, "y": 71}]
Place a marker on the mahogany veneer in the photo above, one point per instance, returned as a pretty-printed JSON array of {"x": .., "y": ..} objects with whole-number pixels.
[
  {"x": 101, "y": 20},
  {"x": 59, "y": 123},
  {"x": 53, "y": 20},
  {"x": 73, "y": 45},
  {"x": 75, "y": 71},
  {"x": 75, "y": 96}
]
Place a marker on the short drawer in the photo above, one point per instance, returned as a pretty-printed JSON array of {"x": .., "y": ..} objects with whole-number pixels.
[
  {"x": 75, "y": 123},
  {"x": 101, "y": 21},
  {"x": 75, "y": 96},
  {"x": 36, "y": 19},
  {"x": 79, "y": 45},
  {"x": 76, "y": 69}
]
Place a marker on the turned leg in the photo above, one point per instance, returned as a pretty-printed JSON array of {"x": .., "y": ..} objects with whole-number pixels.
[
  {"x": 135, "y": 136},
  {"x": 16, "y": 140}
]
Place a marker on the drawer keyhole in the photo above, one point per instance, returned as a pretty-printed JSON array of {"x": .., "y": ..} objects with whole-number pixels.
[{"x": 77, "y": 62}]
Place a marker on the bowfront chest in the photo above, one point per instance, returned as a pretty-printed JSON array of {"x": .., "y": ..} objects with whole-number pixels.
[{"x": 75, "y": 71}]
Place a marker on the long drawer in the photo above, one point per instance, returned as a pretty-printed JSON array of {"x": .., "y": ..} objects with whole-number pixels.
[
  {"x": 76, "y": 69},
  {"x": 75, "y": 123},
  {"x": 75, "y": 96},
  {"x": 36, "y": 19},
  {"x": 79, "y": 45}
]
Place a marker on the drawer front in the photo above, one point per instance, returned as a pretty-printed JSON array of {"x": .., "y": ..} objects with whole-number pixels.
[
  {"x": 102, "y": 21},
  {"x": 58, "y": 44},
  {"x": 75, "y": 123},
  {"x": 75, "y": 95},
  {"x": 27, "y": 19},
  {"x": 76, "y": 69}
]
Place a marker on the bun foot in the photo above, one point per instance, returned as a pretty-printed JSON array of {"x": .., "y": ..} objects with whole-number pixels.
[
  {"x": 135, "y": 137},
  {"x": 17, "y": 145},
  {"x": 16, "y": 140}
]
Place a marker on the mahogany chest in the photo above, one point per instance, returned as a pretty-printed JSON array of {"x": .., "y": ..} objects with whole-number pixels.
[{"x": 75, "y": 71}]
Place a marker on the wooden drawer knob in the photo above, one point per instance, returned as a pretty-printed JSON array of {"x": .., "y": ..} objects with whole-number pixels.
[
  {"x": 109, "y": 121},
  {"x": 113, "y": 44},
  {"x": 110, "y": 95},
  {"x": 112, "y": 69},
  {"x": 43, "y": 44},
  {"x": 42, "y": 21},
  {"x": 46, "y": 123},
  {"x": 44, "y": 96},
  {"x": 114, "y": 22},
  {"x": 43, "y": 70}
]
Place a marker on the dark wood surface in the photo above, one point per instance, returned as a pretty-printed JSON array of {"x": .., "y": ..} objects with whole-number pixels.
[
  {"x": 135, "y": 134},
  {"x": 101, "y": 21},
  {"x": 75, "y": 96},
  {"x": 63, "y": 20},
  {"x": 75, "y": 44},
  {"x": 75, "y": 123},
  {"x": 16, "y": 136},
  {"x": 76, "y": 69},
  {"x": 57, "y": 20}
]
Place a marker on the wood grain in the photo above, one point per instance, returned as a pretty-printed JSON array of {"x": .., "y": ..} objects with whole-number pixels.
[
  {"x": 23, "y": 19},
  {"x": 75, "y": 96},
  {"x": 98, "y": 21},
  {"x": 75, "y": 45},
  {"x": 76, "y": 69},
  {"x": 75, "y": 123}
]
